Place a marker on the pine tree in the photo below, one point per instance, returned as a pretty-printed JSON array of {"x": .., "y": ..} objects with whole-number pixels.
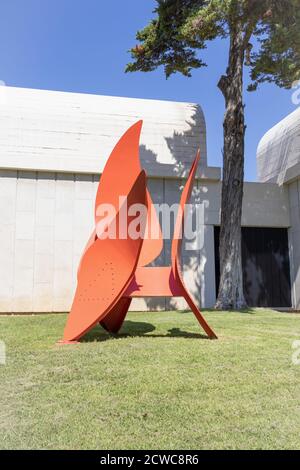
[{"x": 263, "y": 35}]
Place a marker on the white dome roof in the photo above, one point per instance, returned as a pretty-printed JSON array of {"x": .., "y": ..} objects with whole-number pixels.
[
  {"x": 279, "y": 150},
  {"x": 75, "y": 132}
]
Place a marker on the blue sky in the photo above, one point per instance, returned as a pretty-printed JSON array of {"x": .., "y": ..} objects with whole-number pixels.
[{"x": 81, "y": 46}]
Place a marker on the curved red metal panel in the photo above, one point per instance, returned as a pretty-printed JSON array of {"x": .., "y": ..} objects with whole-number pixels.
[
  {"x": 111, "y": 269},
  {"x": 106, "y": 270},
  {"x": 153, "y": 240},
  {"x": 120, "y": 171},
  {"x": 179, "y": 225},
  {"x": 176, "y": 249},
  {"x": 115, "y": 318}
]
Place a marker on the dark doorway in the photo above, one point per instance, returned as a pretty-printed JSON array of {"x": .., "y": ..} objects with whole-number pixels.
[{"x": 266, "y": 266}]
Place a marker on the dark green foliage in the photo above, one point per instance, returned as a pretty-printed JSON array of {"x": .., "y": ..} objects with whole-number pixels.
[
  {"x": 182, "y": 27},
  {"x": 278, "y": 57},
  {"x": 263, "y": 35}
]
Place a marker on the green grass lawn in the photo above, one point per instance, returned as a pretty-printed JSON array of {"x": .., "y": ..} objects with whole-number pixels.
[{"x": 159, "y": 385}]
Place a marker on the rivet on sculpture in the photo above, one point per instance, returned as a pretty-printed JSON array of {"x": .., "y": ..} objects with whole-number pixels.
[{"x": 114, "y": 270}]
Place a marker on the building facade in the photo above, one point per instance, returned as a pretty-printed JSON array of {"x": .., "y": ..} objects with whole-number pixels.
[
  {"x": 53, "y": 147},
  {"x": 278, "y": 160}
]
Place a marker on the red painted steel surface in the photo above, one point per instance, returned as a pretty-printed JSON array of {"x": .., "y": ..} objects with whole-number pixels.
[
  {"x": 106, "y": 269},
  {"x": 112, "y": 271},
  {"x": 176, "y": 250},
  {"x": 153, "y": 282}
]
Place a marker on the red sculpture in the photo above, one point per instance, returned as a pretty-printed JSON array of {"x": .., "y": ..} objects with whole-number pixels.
[{"x": 113, "y": 271}]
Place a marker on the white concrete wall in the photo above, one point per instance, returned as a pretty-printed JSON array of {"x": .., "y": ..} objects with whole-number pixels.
[
  {"x": 72, "y": 132},
  {"x": 278, "y": 160},
  {"x": 294, "y": 240},
  {"x": 53, "y": 147},
  {"x": 264, "y": 205},
  {"x": 46, "y": 219}
]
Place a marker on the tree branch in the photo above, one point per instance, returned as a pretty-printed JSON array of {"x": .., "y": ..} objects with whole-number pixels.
[
  {"x": 249, "y": 31},
  {"x": 223, "y": 84}
]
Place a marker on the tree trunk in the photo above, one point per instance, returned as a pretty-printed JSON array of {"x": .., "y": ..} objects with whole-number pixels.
[{"x": 231, "y": 295}]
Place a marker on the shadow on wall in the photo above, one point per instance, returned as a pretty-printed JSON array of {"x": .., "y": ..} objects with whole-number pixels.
[
  {"x": 266, "y": 266},
  {"x": 267, "y": 271},
  {"x": 183, "y": 147},
  {"x": 278, "y": 150}
]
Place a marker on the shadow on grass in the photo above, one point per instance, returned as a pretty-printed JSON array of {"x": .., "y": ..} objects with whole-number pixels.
[{"x": 132, "y": 329}]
